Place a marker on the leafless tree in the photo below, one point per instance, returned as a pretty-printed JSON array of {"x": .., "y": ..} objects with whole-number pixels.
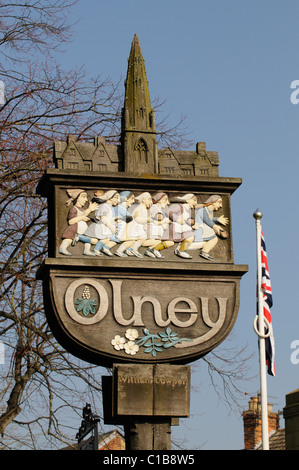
[
  {"x": 27, "y": 27},
  {"x": 39, "y": 380}
]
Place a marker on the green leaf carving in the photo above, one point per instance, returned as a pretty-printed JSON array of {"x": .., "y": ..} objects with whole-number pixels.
[
  {"x": 156, "y": 342},
  {"x": 86, "y": 306}
]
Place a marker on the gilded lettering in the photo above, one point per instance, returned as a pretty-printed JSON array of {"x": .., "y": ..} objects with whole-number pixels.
[
  {"x": 122, "y": 379},
  {"x": 160, "y": 380}
]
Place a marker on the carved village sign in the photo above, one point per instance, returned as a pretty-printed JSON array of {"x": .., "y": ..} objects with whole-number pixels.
[{"x": 140, "y": 264}]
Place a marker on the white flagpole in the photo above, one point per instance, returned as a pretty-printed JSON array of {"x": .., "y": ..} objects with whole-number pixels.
[{"x": 261, "y": 337}]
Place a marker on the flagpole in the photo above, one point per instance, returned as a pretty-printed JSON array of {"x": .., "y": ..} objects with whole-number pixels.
[{"x": 261, "y": 337}]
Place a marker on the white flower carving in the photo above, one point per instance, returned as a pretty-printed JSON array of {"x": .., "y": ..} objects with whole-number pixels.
[
  {"x": 131, "y": 334},
  {"x": 118, "y": 342},
  {"x": 131, "y": 348}
]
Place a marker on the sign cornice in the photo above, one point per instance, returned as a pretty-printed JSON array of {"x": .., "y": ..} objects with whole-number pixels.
[
  {"x": 125, "y": 180},
  {"x": 226, "y": 270}
]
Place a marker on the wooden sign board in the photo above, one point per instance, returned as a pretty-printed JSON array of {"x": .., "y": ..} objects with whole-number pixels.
[
  {"x": 140, "y": 264},
  {"x": 151, "y": 390},
  {"x": 167, "y": 305}
]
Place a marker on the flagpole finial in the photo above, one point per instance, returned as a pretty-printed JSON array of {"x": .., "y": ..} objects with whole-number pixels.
[{"x": 258, "y": 214}]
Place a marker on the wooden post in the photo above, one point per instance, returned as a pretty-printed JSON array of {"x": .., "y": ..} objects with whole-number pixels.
[
  {"x": 148, "y": 434},
  {"x": 147, "y": 400}
]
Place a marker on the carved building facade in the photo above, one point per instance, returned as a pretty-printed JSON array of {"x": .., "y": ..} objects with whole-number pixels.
[{"x": 138, "y": 139}]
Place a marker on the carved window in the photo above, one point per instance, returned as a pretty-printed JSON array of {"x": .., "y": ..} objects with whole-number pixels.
[
  {"x": 140, "y": 112},
  {"x": 187, "y": 171},
  {"x": 73, "y": 165},
  {"x": 141, "y": 148},
  {"x": 100, "y": 151},
  {"x": 169, "y": 169},
  {"x": 102, "y": 167}
]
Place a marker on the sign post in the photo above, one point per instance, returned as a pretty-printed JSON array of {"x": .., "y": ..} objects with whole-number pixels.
[
  {"x": 147, "y": 400},
  {"x": 140, "y": 270}
]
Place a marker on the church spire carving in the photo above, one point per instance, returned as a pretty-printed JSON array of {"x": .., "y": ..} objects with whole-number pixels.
[{"x": 138, "y": 123}]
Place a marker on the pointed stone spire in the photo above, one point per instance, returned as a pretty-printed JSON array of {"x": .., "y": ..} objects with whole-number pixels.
[
  {"x": 137, "y": 97},
  {"x": 138, "y": 122}
]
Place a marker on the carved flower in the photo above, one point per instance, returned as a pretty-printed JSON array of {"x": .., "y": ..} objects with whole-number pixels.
[
  {"x": 85, "y": 304},
  {"x": 131, "y": 334},
  {"x": 118, "y": 342},
  {"x": 131, "y": 348}
]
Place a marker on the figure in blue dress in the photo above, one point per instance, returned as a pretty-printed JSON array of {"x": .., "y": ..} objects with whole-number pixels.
[
  {"x": 104, "y": 226},
  {"x": 123, "y": 218},
  {"x": 206, "y": 226}
]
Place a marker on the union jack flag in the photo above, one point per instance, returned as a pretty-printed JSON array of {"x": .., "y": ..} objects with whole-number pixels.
[{"x": 267, "y": 304}]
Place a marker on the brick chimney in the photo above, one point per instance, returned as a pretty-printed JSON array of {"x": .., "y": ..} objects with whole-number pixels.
[{"x": 253, "y": 423}]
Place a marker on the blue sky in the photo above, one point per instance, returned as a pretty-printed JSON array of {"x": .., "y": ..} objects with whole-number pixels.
[{"x": 228, "y": 67}]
